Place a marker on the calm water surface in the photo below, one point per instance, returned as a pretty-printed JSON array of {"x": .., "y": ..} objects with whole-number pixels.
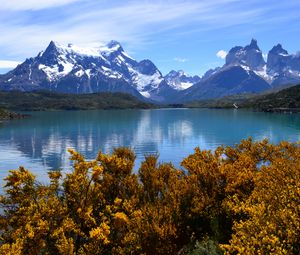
[{"x": 40, "y": 143}]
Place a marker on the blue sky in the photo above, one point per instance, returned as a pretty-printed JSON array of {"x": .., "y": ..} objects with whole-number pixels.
[{"x": 177, "y": 34}]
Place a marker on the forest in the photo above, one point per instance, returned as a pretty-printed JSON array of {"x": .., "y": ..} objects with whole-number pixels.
[
  {"x": 242, "y": 199},
  {"x": 48, "y": 100}
]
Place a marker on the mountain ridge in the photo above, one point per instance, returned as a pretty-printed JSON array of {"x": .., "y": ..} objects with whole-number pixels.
[
  {"x": 72, "y": 69},
  {"x": 108, "y": 68},
  {"x": 253, "y": 75}
]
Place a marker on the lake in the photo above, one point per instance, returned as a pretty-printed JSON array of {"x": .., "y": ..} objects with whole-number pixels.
[{"x": 40, "y": 142}]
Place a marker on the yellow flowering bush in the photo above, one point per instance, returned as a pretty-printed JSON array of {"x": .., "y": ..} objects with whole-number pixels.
[{"x": 234, "y": 200}]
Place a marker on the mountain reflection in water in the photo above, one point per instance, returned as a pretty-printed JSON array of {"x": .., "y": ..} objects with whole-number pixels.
[{"x": 40, "y": 143}]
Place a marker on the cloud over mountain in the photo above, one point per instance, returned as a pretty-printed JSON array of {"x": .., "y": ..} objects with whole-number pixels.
[{"x": 221, "y": 54}]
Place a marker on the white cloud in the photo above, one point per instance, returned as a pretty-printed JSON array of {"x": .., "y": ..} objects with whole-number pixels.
[
  {"x": 17, "y": 5},
  {"x": 135, "y": 23},
  {"x": 8, "y": 64},
  {"x": 181, "y": 60},
  {"x": 221, "y": 54},
  {"x": 90, "y": 22}
]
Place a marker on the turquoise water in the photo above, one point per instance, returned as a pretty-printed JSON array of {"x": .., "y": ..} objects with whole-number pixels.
[{"x": 40, "y": 143}]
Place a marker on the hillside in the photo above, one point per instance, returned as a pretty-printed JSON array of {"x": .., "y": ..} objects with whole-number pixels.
[
  {"x": 44, "y": 100},
  {"x": 286, "y": 99},
  {"x": 224, "y": 102}
]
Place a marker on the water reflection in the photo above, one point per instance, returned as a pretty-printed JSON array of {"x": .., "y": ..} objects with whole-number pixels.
[{"x": 41, "y": 142}]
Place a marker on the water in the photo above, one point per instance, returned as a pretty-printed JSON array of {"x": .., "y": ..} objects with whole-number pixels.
[{"x": 40, "y": 142}]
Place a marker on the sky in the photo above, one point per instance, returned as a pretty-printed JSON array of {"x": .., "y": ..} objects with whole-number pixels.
[{"x": 189, "y": 35}]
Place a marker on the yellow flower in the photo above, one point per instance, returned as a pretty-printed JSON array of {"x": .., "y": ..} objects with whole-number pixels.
[
  {"x": 101, "y": 233},
  {"x": 120, "y": 219}
]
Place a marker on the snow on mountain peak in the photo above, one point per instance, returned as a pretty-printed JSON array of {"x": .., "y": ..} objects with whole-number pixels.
[
  {"x": 109, "y": 62},
  {"x": 58, "y": 60},
  {"x": 99, "y": 51},
  {"x": 114, "y": 45},
  {"x": 183, "y": 73},
  {"x": 250, "y": 56},
  {"x": 179, "y": 80}
]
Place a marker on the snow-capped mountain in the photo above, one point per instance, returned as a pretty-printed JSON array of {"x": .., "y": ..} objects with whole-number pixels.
[
  {"x": 108, "y": 68},
  {"x": 73, "y": 69},
  {"x": 284, "y": 68},
  {"x": 228, "y": 80},
  {"x": 249, "y": 56},
  {"x": 281, "y": 68},
  {"x": 179, "y": 80},
  {"x": 246, "y": 71}
]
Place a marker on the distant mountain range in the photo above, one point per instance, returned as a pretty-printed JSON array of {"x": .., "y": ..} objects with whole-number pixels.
[
  {"x": 77, "y": 70},
  {"x": 246, "y": 71}
]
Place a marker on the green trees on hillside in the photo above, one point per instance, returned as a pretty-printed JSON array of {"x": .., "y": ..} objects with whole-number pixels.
[{"x": 235, "y": 200}]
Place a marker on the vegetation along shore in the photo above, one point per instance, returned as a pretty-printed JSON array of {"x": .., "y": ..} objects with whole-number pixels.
[{"x": 234, "y": 200}]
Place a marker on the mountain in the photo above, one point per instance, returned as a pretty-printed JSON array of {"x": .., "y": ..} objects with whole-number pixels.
[
  {"x": 179, "y": 80},
  {"x": 246, "y": 71},
  {"x": 73, "y": 69},
  {"x": 238, "y": 75},
  {"x": 284, "y": 68},
  {"x": 281, "y": 67},
  {"x": 249, "y": 56},
  {"x": 227, "y": 81},
  {"x": 108, "y": 68}
]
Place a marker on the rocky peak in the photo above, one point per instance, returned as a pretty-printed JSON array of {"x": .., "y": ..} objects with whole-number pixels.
[
  {"x": 278, "y": 59},
  {"x": 179, "y": 73},
  {"x": 114, "y": 47},
  {"x": 250, "y": 56},
  {"x": 278, "y": 50},
  {"x": 172, "y": 74},
  {"x": 180, "y": 80},
  {"x": 50, "y": 55},
  {"x": 252, "y": 46},
  {"x": 210, "y": 72},
  {"x": 114, "y": 44},
  {"x": 147, "y": 67}
]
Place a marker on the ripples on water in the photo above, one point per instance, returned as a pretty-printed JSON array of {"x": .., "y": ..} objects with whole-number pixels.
[{"x": 40, "y": 143}]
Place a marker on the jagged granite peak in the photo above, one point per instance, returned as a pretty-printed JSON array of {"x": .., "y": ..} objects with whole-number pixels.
[
  {"x": 179, "y": 80},
  {"x": 277, "y": 49},
  {"x": 284, "y": 67},
  {"x": 52, "y": 46},
  {"x": 252, "y": 45},
  {"x": 250, "y": 56},
  {"x": 278, "y": 59},
  {"x": 245, "y": 71}
]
